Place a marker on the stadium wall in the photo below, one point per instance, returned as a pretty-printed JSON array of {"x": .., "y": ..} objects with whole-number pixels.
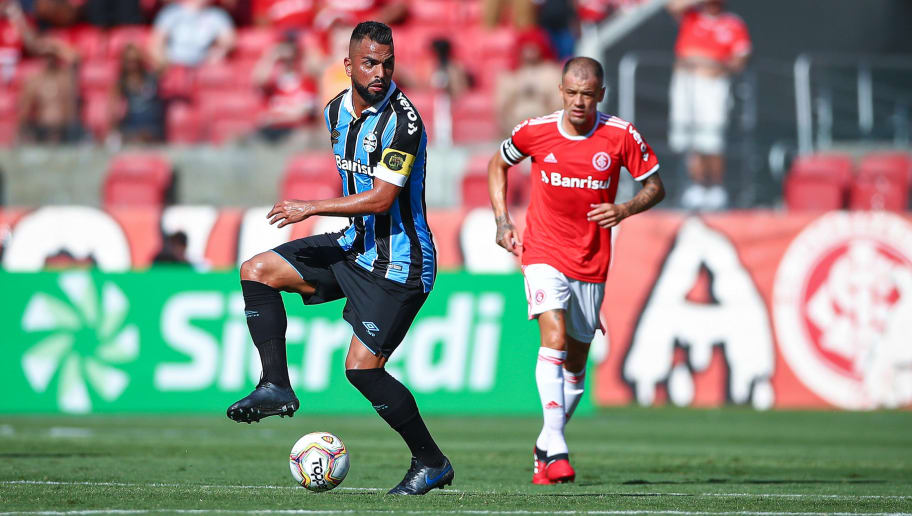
[{"x": 762, "y": 309}]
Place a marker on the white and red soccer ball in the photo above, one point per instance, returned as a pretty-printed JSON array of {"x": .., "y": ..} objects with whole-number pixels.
[{"x": 319, "y": 461}]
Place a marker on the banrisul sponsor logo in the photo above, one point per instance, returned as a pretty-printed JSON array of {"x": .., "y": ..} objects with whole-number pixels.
[{"x": 81, "y": 339}]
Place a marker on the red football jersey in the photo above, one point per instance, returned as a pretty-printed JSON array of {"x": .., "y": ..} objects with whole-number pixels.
[
  {"x": 719, "y": 37},
  {"x": 568, "y": 174}
]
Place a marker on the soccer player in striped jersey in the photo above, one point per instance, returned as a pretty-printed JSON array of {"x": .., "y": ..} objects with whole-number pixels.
[
  {"x": 384, "y": 263},
  {"x": 577, "y": 154}
]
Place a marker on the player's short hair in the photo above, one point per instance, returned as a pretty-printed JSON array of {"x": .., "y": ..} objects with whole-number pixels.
[
  {"x": 374, "y": 31},
  {"x": 592, "y": 65}
]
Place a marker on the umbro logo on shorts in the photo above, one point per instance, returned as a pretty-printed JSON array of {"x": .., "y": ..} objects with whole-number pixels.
[
  {"x": 550, "y": 158},
  {"x": 251, "y": 313},
  {"x": 371, "y": 328}
]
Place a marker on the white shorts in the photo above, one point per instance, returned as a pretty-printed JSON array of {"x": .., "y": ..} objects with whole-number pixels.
[
  {"x": 698, "y": 112},
  {"x": 549, "y": 289}
]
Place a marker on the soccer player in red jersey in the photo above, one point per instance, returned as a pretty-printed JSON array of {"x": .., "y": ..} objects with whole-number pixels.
[
  {"x": 577, "y": 154},
  {"x": 712, "y": 45}
]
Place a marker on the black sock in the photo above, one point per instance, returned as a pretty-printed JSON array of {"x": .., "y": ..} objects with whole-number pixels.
[
  {"x": 397, "y": 407},
  {"x": 266, "y": 321}
]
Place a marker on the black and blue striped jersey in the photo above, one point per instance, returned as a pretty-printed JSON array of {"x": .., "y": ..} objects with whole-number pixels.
[{"x": 386, "y": 142}]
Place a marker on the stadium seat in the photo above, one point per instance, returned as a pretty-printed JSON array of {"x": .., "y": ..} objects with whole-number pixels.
[
  {"x": 90, "y": 42},
  {"x": 899, "y": 161},
  {"x": 182, "y": 123},
  {"x": 177, "y": 82},
  {"x": 228, "y": 115},
  {"x": 252, "y": 42},
  {"x": 430, "y": 13},
  {"x": 224, "y": 76},
  {"x": 473, "y": 119},
  {"x": 137, "y": 180},
  {"x": 120, "y": 37},
  {"x": 96, "y": 114},
  {"x": 312, "y": 165},
  {"x": 311, "y": 176},
  {"x": 97, "y": 76},
  {"x": 9, "y": 125},
  {"x": 882, "y": 183},
  {"x": 818, "y": 182},
  {"x": 475, "y": 189}
]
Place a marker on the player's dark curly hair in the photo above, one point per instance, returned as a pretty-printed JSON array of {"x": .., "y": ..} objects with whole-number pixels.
[{"x": 375, "y": 31}]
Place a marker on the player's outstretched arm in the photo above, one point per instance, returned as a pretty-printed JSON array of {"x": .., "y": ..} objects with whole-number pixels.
[
  {"x": 609, "y": 215},
  {"x": 376, "y": 200},
  {"x": 507, "y": 236}
]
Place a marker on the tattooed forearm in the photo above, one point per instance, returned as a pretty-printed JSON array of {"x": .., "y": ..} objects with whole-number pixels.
[{"x": 652, "y": 193}]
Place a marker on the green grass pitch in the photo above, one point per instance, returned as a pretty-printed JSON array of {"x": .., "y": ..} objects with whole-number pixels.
[{"x": 628, "y": 461}]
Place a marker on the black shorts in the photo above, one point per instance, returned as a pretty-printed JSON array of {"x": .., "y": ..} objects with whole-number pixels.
[{"x": 380, "y": 311}]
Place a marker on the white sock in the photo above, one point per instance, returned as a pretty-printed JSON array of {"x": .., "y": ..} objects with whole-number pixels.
[
  {"x": 574, "y": 386},
  {"x": 549, "y": 378}
]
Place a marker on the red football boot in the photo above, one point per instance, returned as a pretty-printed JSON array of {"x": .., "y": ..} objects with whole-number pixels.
[
  {"x": 559, "y": 470},
  {"x": 539, "y": 476}
]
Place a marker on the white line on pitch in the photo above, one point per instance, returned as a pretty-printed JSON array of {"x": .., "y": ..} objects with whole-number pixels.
[
  {"x": 455, "y": 491},
  {"x": 457, "y": 511}
]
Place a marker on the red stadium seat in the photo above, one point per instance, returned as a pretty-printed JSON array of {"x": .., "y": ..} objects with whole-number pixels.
[
  {"x": 473, "y": 119},
  {"x": 8, "y": 99},
  {"x": 475, "y": 190},
  {"x": 120, "y": 37},
  {"x": 312, "y": 165},
  {"x": 224, "y": 76},
  {"x": 228, "y": 115},
  {"x": 9, "y": 128},
  {"x": 440, "y": 13},
  {"x": 882, "y": 182},
  {"x": 96, "y": 114},
  {"x": 818, "y": 182},
  {"x": 518, "y": 186},
  {"x": 228, "y": 128},
  {"x": 137, "y": 180},
  {"x": 97, "y": 76},
  {"x": 252, "y": 42},
  {"x": 901, "y": 162},
  {"x": 90, "y": 42},
  {"x": 177, "y": 82},
  {"x": 311, "y": 176},
  {"x": 182, "y": 124}
]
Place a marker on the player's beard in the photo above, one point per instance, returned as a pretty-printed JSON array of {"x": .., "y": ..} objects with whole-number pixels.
[{"x": 368, "y": 96}]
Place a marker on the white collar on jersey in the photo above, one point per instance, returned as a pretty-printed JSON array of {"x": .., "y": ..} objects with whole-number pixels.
[
  {"x": 347, "y": 101},
  {"x": 560, "y": 127}
]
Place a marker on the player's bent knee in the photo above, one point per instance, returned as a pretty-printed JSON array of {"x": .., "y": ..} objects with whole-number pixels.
[{"x": 261, "y": 268}]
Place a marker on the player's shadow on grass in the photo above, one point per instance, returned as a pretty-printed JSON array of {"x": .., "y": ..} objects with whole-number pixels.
[{"x": 772, "y": 481}]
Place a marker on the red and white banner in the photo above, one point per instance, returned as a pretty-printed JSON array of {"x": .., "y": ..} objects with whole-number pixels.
[{"x": 758, "y": 308}]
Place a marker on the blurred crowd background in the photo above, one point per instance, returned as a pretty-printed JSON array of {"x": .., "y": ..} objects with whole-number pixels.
[{"x": 226, "y": 96}]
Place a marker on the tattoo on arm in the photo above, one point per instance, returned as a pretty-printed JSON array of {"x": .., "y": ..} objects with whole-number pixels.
[{"x": 651, "y": 194}]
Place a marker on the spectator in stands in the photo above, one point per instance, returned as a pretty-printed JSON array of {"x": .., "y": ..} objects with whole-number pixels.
[
  {"x": 173, "y": 250},
  {"x": 558, "y": 19},
  {"x": 284, "y": 14},
  {"x": 290, "y": 91},
  {"x": 523, "y": 12},
  {"x": 390, "y": 12},
  {"x": 136, "y": 103},
  {"x": 712, "y": 45},
  {"x": 528, "y": 91},
  {"x": 48, "y": 102},
  {"x": 331, "y": 71},
  {"x": 111, "y": 13},
  {"x": 57, "y": 13},
  {"x": 448, "y": 75},
  {"x": 189, "y": 33},
  {"x": 16, "y": 36},
  {"x": 241, "y": 11}
]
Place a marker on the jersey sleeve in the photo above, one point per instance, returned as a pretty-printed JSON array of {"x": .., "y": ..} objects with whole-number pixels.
[
  {"x": 399, "y": 156},
  {"x": 637, "y": 155},
  {"x": 517, "y": 147},
  {"x": 741, "y": 44}
]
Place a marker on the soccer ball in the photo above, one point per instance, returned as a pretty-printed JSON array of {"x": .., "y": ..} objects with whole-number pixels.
[{"x": 319, "y": 461}]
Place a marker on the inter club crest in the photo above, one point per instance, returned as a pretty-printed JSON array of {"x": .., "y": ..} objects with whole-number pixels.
[{"x": 601, "y": 161}]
